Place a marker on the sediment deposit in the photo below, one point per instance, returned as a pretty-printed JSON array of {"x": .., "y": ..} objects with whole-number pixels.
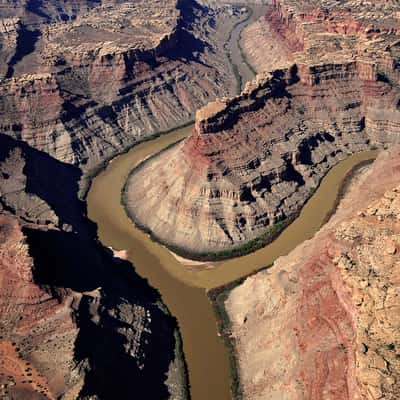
[
  {"x": 253, "y": 160},
  {"x": 332, "y": 302}
]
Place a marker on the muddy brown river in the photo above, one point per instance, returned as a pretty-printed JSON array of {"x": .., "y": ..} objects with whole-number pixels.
[{"x": 183, "y": 289}]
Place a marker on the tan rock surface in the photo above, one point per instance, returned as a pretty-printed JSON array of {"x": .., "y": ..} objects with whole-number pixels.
[
  {"x": 323, "y": 322},
  {"x": 263, "y": 48},
  {"x": 84, "y": 82},
  {"x": 254, "y": 164}
]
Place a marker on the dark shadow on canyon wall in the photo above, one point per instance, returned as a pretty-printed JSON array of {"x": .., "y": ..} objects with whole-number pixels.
[
  {"x": 55, "y": 182},
  {"x": 26, "y": 42},
  {"x": 65, "y": 260},
  {"x": 109, "y": 326}
]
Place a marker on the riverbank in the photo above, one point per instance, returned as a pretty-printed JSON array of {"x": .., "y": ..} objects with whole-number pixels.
[
  {"x": 183, "y": 289},
  {"x": 345, "y": 185},
  {"x": 89, "y": 175},
  {"x": 178, "y": 376},
  {"x": 219, "y": 387},
  {"x": 219, "y": 295},
  {"x": 235, "y": 67},
  {"x": 242, "y": 69},
  {"x": 270, "y": 234}
]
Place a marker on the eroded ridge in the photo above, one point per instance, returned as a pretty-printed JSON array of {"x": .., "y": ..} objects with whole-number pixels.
[
  {"x": 82, "y": 82},
  {"x": 332, "y": 302},
  {"x": 253, "y": 160}
]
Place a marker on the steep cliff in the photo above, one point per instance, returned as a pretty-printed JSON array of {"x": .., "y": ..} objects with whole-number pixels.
[
  {"x": 69, "y": 310},
  {"x": 332, "y": 302},
  {"x": 81, "y": 81},
  {"x": 86, "y": 82},
  {"x": 253, "y": 160}
]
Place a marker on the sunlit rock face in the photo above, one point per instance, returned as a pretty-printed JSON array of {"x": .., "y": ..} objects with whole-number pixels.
[
  {"x": 253, "y": 160},
  {"x": 84, "y": 80},
  {"x": 332, "y": 302}
]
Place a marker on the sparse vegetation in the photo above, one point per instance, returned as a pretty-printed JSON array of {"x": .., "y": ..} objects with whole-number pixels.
[
  {"x": 255, "y": 244},
  {"x": 345, "y": 185}
]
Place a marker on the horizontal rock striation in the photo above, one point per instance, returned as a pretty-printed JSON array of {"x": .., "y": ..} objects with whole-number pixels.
[
  {"x": 87, "y": 84},
  {"x": 333, "y": 303},
  {"x": 69, "y": 310},
  {"x": 253, "y": 160},
  {"x": 33, "y": 324},
  {"x": 259, "y": 39},
  {"x": 79, "y": 82}
]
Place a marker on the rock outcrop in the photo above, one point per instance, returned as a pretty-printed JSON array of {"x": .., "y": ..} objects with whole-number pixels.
[
  {"x": 263, "y": 48},
  {"x": 83, "y": 82},
  {"x": 332, "y": 302},
  {"x": 79, "y": 82},
  {"x": 253, "y": 160},
  {"x": 70, "y": 311}
]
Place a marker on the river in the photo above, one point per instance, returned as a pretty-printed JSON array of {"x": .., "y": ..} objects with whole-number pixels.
[
  {"x": 183, "y": 290},
  {"x": 242, "y": 70}
]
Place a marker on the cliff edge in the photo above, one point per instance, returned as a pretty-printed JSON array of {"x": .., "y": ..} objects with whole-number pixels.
[{"x": 253, "y": 160}]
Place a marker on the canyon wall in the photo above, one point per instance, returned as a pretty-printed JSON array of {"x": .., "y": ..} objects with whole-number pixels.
[
  {"x": 253, "y": 160},
  {"x": 70, "y": 311},
  {"x": 81, "y": 81},
  {"x": 332, "y": 302},
  {"x": 85, "y": 82}
]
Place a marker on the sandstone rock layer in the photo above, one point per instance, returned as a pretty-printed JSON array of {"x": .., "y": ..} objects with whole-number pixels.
[
  {"x": 82, "y": 82},
  {"x": 253, "y": 160},
  {"x": 323, "y": 322}
]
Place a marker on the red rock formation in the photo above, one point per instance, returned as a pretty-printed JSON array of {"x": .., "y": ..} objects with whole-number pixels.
[
  {"x": 331, "y": 302},
  {"x": 32, "y": 324},
  {"x": 281, "y": 19},
  {"x": 253, "y": 160},
  {"x": 69, "y": 310}
]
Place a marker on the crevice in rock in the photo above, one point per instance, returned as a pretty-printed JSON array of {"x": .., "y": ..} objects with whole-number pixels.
[{"x": 26, "y": 42}]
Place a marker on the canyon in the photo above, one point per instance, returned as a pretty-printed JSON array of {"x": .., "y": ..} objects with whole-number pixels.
[
  {"x": 70, "y": 309},
  {"x": 95, "y": 77},
  {"x": 86, "y": 80},
  {"x": 253, "y": 160},
  {"x": 333, "y": 303},
  {"x": 80, "y": 82}
]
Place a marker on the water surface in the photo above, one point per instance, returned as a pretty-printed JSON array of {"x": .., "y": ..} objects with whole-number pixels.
[{"x": 182, "y": 289}]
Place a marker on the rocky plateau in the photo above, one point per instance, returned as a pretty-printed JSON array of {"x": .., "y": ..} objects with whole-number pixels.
[
  {"x": 333, "y": 303},
  {"x": 253, "y": 160}
]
